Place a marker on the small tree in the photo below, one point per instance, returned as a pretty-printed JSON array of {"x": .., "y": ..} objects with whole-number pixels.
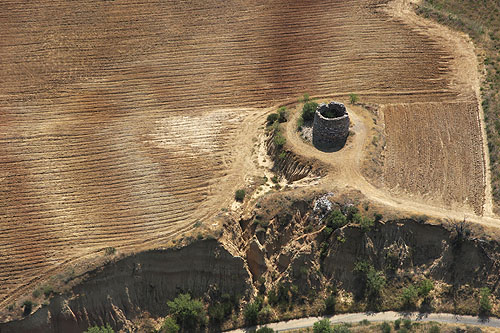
[
  {"x": 251, "y": 312},
  {"x": 484, "y": 301},
  {"x": 330, "y": 302},
  {"x": 322, "y": 326},
  {"x": 187, "y": 312},
  {"x": 425, "y": 287},
  {"x": 353, "y": 98},
  {"x": 239, "y": 195},
  {"x": 409, "y": 296},
  {"x": 169, "y": 326},
  {"x": 308, "y": 110}
]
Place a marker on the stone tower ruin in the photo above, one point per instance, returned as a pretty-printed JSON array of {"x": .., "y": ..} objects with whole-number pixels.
[{"x": 330, "y": 126}]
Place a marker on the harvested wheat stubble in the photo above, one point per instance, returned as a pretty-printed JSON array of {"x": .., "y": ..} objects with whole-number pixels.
[
  {"x": 434, "y": 150},
  {"x": 98, "y": 98}
]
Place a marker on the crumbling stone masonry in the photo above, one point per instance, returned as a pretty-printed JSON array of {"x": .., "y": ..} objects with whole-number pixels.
[{"x": 330, "y": 126}]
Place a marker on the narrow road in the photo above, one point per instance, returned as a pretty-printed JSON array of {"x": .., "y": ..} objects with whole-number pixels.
[{"x": 444, "y": 318}]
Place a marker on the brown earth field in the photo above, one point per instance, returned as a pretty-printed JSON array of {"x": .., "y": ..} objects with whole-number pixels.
[{"x": 124, "y": 122}]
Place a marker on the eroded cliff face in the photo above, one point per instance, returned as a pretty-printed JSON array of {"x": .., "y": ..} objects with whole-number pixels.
[
  {"x": 283, "y": 243},
  {"x": 120, "y": 291}
]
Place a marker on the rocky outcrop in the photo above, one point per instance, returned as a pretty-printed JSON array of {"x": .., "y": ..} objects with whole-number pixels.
[{"x": 120, "y": 291}]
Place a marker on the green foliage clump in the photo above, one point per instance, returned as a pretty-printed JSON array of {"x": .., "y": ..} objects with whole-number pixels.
[
  {"x": 264, "y": 329},
  {"x": 373, "y": 280},
  {"x": 251, "y": 312},
  {"x": 100, "y": 329},
  {"x": 484, "y": 301},
  {"x": 336, "y": 219},
  {"x": 409, "y": 296},
  {"x": 385, "y": 327},
  {"x": 425, "y": 287},
  {"x": 169, "y": 326},
  {"x": 353, "y": 98},
  {"x": 322, "y": 326},
  {"x": 188, "y": 313},
  {"x": 272, "y": 118},
  {"x": 397, "y": 324},
  {"x": 28, "y": 307},
  {"x": 308, "y": 110},
  {"x": 434, "y": 329},
  {"x": 407, "y": 323},
  {"x": 239, "y": 195},
  {"x": 282, "y": 114},
  {"x": 330, "y": 303},
  {"x": 279, "y": 140}
]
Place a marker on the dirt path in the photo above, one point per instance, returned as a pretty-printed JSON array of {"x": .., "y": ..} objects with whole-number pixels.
[{"x": 379, "y": 317}]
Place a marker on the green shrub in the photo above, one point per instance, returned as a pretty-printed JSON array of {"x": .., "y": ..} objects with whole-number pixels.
[
  {"x": 251, "y": 312},
  {"x": 264, "y": 329},
  {"x": 375, "y": 282},
  {"x": 308, "y": 110},
  {"x": 322, "y": 326},
  {"x": 342, "y": 328},
  {"x": 385, "y": 327},
  {"x": 364, "y": 322},
  {"x": 300, "y": 123},
  {"x": 366, "y": 223},
  {"x": 47, "y": 291},
  {"x": 169, "y": 326},
  {"x": 353, "y": 98},
  {"x": 36, "y": 293},
  {"x": 188, "y": 313},
  {"x": 282, "y": 114},
  {"x": 330, "y": 302},
  {"x": 271, "y": 119},
  {"x": 305, "y": 98},
  {"x": 279, "y": 140},
  {"x": 264, "y": 314},
  {"x": 239, "y": 195},
  {"x": 425, "y": 287},
  {"x": 275, "y": 179},
  {"x": 100, "y": 329},
  {"x": 336, "y": 219},
  {"x": 409, "y": 296},
  {"x": 407, "y": 323},
  {"x": 397, "y": 324},
  {"x": 109, "y": 250},
  {"x": 484, "y": 301},
  {"x": 28, "y": 307},
  {"x": 434, "y": 329}
]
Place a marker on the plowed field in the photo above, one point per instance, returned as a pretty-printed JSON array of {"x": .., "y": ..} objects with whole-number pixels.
[
  {"x": 433, "y": 150},
  {"x": 114, "y": 121}
]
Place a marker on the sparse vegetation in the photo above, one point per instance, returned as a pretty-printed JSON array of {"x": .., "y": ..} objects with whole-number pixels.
[
  {"x": 100, "y": 329},
  {"x": 109, "y": 250},
  {"x": 239, "y": 195},
  {"x": 188, "y": 313},
  {"x": 353, "y": 98}
]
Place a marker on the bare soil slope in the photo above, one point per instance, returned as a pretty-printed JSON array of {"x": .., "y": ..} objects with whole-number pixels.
[{"x": 121, "y": 122}]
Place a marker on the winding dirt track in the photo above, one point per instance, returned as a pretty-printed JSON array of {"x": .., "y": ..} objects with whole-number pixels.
[{"x": 122, "y": 122}]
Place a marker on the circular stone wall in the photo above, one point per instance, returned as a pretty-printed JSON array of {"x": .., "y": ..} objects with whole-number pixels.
[{"x": 330, "y": 126}]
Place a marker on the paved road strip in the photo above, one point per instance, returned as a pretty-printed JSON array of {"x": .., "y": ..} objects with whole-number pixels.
[{"x": 380, "y": 316}]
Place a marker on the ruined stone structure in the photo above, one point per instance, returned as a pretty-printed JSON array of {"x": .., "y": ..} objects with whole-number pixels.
[{"x": 330, "y": 126}]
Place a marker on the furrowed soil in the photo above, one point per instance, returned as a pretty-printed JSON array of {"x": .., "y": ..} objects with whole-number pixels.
[
  {"x": 122, "y": 123},
  {"x": 426, "y": 146}
]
